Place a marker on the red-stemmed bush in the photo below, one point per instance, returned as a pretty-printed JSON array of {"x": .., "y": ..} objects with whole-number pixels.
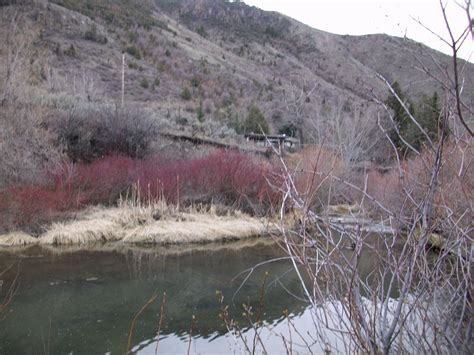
[{"x": 232, "y": 178}]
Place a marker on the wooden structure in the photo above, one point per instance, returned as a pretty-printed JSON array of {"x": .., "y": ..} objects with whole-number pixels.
[{"x": 280, "y": 141}]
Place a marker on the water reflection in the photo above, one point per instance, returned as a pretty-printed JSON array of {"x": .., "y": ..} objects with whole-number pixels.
[{"x": 83, "y": 302}]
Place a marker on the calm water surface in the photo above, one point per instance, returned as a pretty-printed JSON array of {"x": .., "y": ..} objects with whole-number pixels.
[{"x": 83, "y": 302}]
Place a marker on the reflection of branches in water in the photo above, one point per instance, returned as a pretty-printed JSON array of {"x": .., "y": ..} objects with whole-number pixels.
[
  {"x": 160, "y": 322},
  {"x": 250, "y": 271},
  {"x": 134, "y": 320},
  {"x": 11, "y": 289},
  {"x": 277, "y": 281}
]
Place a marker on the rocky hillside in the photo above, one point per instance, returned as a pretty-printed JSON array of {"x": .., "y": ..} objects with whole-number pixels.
[{"x": 201, "y": 64}]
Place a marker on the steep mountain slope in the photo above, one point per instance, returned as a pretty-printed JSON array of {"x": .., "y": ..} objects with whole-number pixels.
[{"x": 200, "y": 65}]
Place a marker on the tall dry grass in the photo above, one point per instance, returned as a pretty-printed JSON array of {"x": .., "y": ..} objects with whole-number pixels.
[{"x": 153, "y": 223}]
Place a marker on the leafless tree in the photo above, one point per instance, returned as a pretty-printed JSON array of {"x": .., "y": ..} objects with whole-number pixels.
[
  {"x": 418, "y": 297},
  {"x": 18, "y": 42},
  {"x": 296, "y": 100}
]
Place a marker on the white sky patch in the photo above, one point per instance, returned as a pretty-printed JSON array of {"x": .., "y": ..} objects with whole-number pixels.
[{"x": 393, "y": 17}]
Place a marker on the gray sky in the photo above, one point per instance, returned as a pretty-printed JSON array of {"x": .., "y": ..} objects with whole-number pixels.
[{"x": 394, "y": 17}]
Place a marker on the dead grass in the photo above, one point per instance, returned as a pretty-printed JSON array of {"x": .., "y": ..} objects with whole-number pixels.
[
  {"x": 82, "y": 232},
  {"x": 151, "y": 224},
  {"x": 17, "y": 239},
  {"x": 196, "y": 228},
  {"x": 343, "y": 209}
]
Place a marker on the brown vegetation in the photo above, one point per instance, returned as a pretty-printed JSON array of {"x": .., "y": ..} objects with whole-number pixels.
[{"x": 143, "y": 224}]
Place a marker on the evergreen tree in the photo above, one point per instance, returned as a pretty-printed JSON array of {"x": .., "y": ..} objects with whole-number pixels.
[
  {"x": 427, "y": 115},
  {"x": 255, "y": 121},
  {"x": 402, "y": 121},
  {"x": 200, "y": 112},
  {"x": 430, "y": 115}
]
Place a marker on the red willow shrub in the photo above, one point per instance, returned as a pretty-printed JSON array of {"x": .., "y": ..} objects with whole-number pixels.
[
  {"x": 226, "y": 177},
  {"x": 31, "y": 205}
]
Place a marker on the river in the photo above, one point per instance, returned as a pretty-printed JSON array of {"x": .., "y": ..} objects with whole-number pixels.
[{"x": 71, "y": 301}]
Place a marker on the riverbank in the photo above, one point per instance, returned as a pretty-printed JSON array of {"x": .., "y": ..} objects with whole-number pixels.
[{"x": 145, "y": 224}]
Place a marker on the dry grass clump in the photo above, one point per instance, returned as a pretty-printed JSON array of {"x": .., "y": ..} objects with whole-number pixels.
[
  {"x": 17, "y": 239},
  {"x": 151, "y": 223},
  {"x": 196, "y": 229},
  {"x": 82, "y": 232},
  {"x": 343, "y": 209},
  {"x": 126, "y": 215}
]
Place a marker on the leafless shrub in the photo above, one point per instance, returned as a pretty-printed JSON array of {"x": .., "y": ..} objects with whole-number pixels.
[
  {"x": 21, "y": 128},
  {"x": 87, "y": 134},
  {"x": 418, "y": 298},
  {"x": 19, "y": 45},
  {"x": 312, "y": 169}
]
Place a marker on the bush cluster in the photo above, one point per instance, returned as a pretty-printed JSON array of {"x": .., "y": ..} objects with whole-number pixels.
[
  {"x": 402, "y": 189},
  {"x": 225, "y": 177},
  {"x": 93, "y": 35},
  {"x": 26, "y": 145},
  {"x": 186, "y": 94},
  {"x": 134, "y": 52},
  {"x": 89, "y": 134}
]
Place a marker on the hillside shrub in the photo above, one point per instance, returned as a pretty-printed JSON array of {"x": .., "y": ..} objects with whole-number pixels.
[
  {"x": 89, "y": 134},
  {"x": 133, "y": 65},
  {"x": 200, "y": 113},
  {"x": 255, "y": 122},
  {"x": 71, "y": 51},
  {"x": 144, "y": 83},
  {"x": 134, "y": 52},
  {"x": 195, "y": 81},
  {"x": 93, "y": 35},
  {"x": 186, "y": 94}
]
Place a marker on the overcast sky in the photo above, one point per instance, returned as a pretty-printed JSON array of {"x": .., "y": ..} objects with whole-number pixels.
[{"x": 394, "y": 17}]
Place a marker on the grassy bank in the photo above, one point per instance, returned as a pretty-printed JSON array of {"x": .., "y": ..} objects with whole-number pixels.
[
  {"x": 232, "y": 179},
  {"x": 144, "y": 224},
  {"x": 64, "y": 207}
]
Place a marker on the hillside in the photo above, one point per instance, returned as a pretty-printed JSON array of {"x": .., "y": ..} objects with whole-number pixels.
[{"x": 199, "y": 65}]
